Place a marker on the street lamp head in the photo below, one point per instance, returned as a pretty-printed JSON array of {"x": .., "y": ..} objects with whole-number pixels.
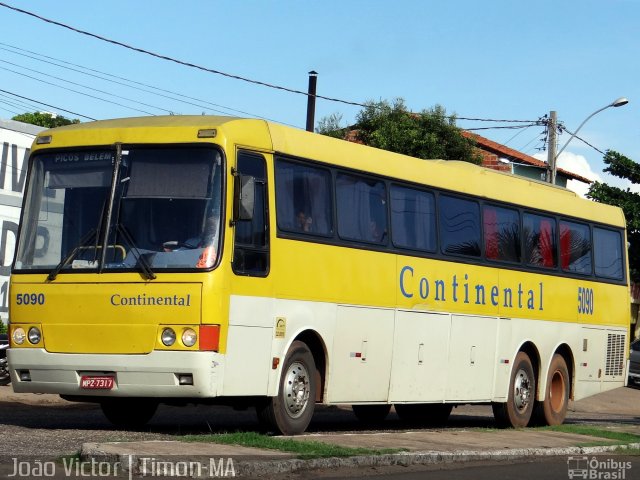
[{"x": 619, "y": 102}]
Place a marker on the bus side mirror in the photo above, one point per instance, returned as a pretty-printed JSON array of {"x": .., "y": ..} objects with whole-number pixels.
[{"x": 243, "y": 197}]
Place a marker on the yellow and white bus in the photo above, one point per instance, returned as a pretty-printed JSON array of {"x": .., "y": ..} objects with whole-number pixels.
[{"x": 212, "y": 259}]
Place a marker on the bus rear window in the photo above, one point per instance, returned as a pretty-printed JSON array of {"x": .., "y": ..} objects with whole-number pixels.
[{"x": 607, "y": 253}]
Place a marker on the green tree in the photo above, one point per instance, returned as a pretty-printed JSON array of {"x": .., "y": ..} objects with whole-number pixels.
[
  {"x": 392, "y": 126},
  {"x": 623, "y": 167},
  {"x": 330, "y": 126},
  {"x": 44, "y": 119}
]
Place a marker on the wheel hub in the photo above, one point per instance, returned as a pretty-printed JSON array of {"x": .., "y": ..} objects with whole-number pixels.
[
  {"x": 522, "y": 390},
  {"x": 296, "y": 389}
]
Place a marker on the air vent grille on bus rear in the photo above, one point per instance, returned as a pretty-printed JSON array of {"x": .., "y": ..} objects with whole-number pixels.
[{"x": 615, "y": 354}]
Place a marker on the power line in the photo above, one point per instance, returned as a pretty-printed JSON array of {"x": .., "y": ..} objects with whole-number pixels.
[
  {"x": 218, "y": 72},
  {"x": 494, "y": 120},
  {"x": 174, "y": 60},
  {"x": 85, "y": 86},
  {"x": 47, "y": 105},
  {"x": 514, "y": 127},
  {"x": 8, "y": 109},
  {"x": 203, "y": 103},
  {"x": 582, "y": 140},
  {"x": 76, "y": 91},
  {"x": 515, "y": 135}
]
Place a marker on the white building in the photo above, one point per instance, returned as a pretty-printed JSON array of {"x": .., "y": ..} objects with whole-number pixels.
[{"x": 15, "y": 145}]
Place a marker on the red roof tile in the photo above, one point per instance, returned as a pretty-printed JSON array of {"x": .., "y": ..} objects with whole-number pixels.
[{"x": 485, "y": 144}]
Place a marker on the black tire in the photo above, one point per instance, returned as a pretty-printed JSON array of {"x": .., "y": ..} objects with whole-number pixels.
[
  {"x": 518, "y": 409},
  {"x": 429, "y": 414},
  {"x": 371, "y": 414},
  {"x": 553, "y": 409},
  {"x": 129, "y": 412},
  {"x": 290, "y": 412}
]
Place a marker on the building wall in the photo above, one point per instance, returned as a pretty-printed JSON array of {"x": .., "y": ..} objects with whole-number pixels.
[{"x": 15, "y": 145}]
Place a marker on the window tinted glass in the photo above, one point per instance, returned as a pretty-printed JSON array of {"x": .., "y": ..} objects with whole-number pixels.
[
  {"x": 459, "y": 226},
  {"x": 607, "y": 248},
  {"x": 362, "y": 210},
  {"x": 303, "y": 198},
  {"x": 501, "y": 233},
  {"x": 575, "y": 248},
  {"x": 413, "y": 219},
  {"x": 540, "y": 244},
  {"x": 251, "y": 250}
]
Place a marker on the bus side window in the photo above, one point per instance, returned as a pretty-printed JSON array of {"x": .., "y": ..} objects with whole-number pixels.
[
  {"x": 540, "y": 244},
  {"x": 251, "y": 246},
  {"x": 362, "y": 210},
  {"x": 501, "y": 233},
  {"x": 460, "y": 228},
  {"x": 575, "y": 248},
  {"x": 303, "y": 199}
]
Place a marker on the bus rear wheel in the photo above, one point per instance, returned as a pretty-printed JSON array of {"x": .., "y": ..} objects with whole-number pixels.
[
  {"x": 129, "y": 412},
  {"x": 432, "y": 414},
  {"x": 517, "y": 410},
  {"x": 371, "y": 414},
  {"x": 553, "y": 409},
  {"x": 290, "y": 412}
]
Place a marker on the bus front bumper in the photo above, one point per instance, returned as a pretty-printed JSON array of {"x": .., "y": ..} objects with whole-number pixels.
[{"x": 168, "y": 374}]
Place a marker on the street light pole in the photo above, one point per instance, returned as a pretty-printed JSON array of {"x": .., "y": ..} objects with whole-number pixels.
[{"x": 619, "y": 102}]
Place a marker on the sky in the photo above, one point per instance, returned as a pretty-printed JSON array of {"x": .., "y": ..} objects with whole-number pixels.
[{"x": 496, "y": 60}]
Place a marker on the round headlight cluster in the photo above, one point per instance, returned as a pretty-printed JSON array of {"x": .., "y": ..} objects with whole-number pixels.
[
  {"x": 19, "y": 336},
  {"x": 189, "y": 337},
  {"x": 168, "y": 337},
  {"x": 34, "y": 335}
]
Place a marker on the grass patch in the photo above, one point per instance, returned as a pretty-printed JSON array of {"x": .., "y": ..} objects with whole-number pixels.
[
  {"x": 303, "y": 449},
  {"x": 618, "y": 437}
]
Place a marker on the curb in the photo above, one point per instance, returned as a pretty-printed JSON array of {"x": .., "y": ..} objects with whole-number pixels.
[{"x": 244, "y": 468}]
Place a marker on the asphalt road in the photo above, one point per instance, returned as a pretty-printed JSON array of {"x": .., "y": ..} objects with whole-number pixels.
[
  {"x": 46, "y": 425},
  {"x": 547, "y": 468}
]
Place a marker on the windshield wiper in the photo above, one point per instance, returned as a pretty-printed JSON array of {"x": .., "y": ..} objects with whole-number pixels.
[
  {"x": 89, "y": 237},
  {"x": 140, "y": 260}
]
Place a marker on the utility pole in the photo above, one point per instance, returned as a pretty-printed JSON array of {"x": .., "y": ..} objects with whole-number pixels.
[
  {"x": 311, "y": 100},
  {"x": 551, "y": 149}
]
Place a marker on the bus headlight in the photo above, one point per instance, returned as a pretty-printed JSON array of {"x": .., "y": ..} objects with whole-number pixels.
[
  {"x": 34, "y": 335},
  {"x": 168, "y": 337},
  {"x": 18, "y": 336},
  {"x": 189, "y": 337}
]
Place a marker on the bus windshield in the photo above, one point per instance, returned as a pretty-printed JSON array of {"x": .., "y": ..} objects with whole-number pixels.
[{"x": 163, "y": 212}]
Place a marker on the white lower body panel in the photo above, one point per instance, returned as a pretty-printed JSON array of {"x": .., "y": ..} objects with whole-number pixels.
[{"x": 150, "y": 375}]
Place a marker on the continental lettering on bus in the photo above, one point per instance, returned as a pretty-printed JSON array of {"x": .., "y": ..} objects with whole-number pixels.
[
  {"x": 439, "y": 290},
  {"x": 143, "y": 300}
]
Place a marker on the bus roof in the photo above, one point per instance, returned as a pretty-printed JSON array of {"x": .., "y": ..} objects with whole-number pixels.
[{"x": 455, "y": 176}]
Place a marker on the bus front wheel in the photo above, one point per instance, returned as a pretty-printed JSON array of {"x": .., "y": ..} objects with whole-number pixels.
[
  {"x": 553, "y": 409},
  {"x": 290, "y": 412},
  {"x": 517, "y": 410},
  {"x": 129, "y": 412}
]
